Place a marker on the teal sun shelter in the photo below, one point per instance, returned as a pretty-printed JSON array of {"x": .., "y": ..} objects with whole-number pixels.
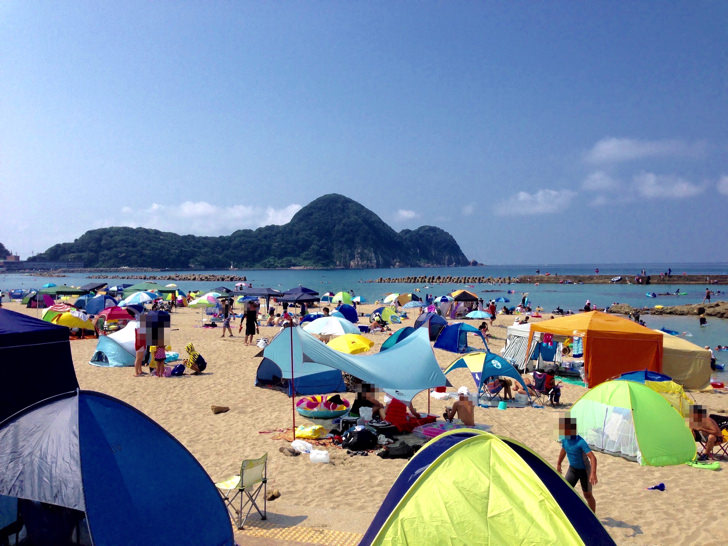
[
  {"x": 471, "y": 487},
  {"x": 631, "y": 420},
  {"x": 97, "y": 460}
]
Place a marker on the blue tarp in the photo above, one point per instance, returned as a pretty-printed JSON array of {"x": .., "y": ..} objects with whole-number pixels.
[
  {"x": 91, "y": 452},
  {"x": 404, "y": 370},
  {"x": 644, "y": 375},
  {"x": 35, "y": 361},
  {"x": 454, "y": 338}
]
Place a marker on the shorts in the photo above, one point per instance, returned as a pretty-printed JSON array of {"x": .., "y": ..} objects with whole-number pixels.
[
  {"x": 574, "y": 475},
  {"x": 160, "y": 354},
  {"x": 226, "y": 322}
]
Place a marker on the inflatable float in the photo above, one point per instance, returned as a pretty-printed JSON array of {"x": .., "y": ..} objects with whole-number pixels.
[{"x": 322, "y": 407}]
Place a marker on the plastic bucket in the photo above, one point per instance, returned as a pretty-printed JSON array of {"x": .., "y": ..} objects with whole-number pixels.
[
  {"x": 502, "y": 405},
  {"x": 440, "y": 389}
]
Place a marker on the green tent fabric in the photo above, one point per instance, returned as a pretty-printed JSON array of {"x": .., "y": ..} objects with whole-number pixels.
[
  {"x": 631, "y": 420},
  {"x": 144, "y": 287},
  {"x": 471, "y": 487},
  {"x": 62, "y": 290}
]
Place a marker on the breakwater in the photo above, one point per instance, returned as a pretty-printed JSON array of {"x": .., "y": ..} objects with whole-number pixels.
[
  {"x": 718, "y": 309},
  {"x": 193, "y": 277},
  {"x": 559, "y": 279}
]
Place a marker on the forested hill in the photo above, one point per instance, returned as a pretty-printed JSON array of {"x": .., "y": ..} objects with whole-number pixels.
[
  {"x": 4, "y": 252},
  {"x": 331, "y": 232}
]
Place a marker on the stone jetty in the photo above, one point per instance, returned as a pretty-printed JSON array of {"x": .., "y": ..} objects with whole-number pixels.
[
  {"x": 192, "y": 277},
  {"x": 558, "y": 279}
]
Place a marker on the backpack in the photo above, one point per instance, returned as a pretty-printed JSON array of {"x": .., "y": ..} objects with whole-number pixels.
[
  {"x": 359, "y": 440},
  {"x": 179, "y": 369}
]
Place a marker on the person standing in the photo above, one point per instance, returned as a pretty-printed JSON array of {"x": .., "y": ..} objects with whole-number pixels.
[
  {"x": 582, "y": 462},
  {"x": 251, "y": 322},
  {"x": 226, "y": 311},
  {"x": 706, "y": 299}
]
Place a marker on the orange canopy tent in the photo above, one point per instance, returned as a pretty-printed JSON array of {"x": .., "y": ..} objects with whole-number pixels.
[{"x": 612, "y": 345}]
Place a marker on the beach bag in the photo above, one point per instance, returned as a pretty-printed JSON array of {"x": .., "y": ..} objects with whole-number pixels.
[
  {"x": 400, "y": 450},
  {"x": 262, "y": 342},
  {"x": 311, "y": 432},
  {"x": 179, "y": 369},
  {"x": 359, "y": 440}
]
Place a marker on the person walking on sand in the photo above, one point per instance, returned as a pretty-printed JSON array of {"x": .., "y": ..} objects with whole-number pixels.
[
  {"x": 582, "y": 462},
  {"x": 226, "y": 311}
]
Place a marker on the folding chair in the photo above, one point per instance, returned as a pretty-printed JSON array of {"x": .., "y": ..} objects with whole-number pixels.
[
  {"x": 545, "y": 388},
  {"x": 722, "y": 447},
  {"x": 247, "y": 486}
]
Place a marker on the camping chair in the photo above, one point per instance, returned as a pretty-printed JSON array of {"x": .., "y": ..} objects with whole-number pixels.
[
  {"x": 247, "y": 486},
  {"x": 545, "y": 388},
  {"x": 491, "y": 390},
  {"x": 722, "y": 422}
]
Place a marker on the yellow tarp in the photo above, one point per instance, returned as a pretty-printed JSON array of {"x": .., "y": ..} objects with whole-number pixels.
[{"x": 688, "y": 364}]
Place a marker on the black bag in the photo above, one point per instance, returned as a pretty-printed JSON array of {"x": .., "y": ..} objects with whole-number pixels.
[
  {"x": 400, "y": 450},
  {"x": 359, "y": 440}
]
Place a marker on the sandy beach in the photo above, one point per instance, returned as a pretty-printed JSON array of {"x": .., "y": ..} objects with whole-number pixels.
[{"x": 334, "y": 503}]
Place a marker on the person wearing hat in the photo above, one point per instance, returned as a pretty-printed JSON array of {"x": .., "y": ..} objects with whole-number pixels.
[{"x": 463, "y": 408}]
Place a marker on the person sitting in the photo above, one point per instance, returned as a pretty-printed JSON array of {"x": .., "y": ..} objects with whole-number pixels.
[
  {"x": 462, "y": 407},
  {"x": 498, "y": 384},
  {"x": 484, "y": 329},
  {"x": 518, "y": 388},
  {"x": 366, "y": 398},
  {"x": 396, "y": 412},
  {"x": 706, "y": 429},
  {"x": 271, "y": 320},
  {"x": 194, "y": 361}
]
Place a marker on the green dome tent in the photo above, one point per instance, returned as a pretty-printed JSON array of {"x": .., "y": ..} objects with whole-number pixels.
[
  {"x": 470, "y": 487},
  {"x": 631, "y": 420}
]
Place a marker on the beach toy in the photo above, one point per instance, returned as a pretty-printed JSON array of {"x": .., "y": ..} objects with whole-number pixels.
[
  {"x": 658, "y": 487},
  {"x": 311, "y": 432},
  {"x": 717, "y": 384},
  {"x": 502, "y": 405},
  {"x": 715, "y": 465},
  {"x": 322, "y": 407}
]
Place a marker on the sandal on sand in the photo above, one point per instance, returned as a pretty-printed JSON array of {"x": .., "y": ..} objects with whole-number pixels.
[{"x": 289, "y": 451}]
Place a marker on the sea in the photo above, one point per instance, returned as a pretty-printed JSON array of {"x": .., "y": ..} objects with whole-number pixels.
[{"x": 548, "y": 296}]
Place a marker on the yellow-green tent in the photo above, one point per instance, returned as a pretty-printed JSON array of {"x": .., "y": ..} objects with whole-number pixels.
[{"x": 470, "y": 487}]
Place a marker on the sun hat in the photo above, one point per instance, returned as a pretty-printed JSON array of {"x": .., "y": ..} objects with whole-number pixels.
[{"x": 464, "y": 390}]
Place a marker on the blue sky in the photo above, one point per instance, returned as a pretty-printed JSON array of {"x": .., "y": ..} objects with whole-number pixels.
[{"x": 533, "y": 132}]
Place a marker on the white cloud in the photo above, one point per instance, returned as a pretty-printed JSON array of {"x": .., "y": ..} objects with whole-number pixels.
[
  {"x": 468, "y": 210},
  {"x": 654, "y": 186},
  {"x": 600, "y": 182},
  {"x": 403, "y": 214},
  {"x": 541, "y": 202},
  {"x": 203, "y": 218},
  {"x": 723, "y": 184},
  {"x": 615, "y": 150}
]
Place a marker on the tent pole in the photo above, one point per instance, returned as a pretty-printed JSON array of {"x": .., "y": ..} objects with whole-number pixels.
[
  {"x": 293, "y": 386},
  {"x": 428, "y": 401}
]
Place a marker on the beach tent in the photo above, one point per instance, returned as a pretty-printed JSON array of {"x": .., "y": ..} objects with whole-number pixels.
[
  {"x": 342, "y": 297},
  {"x": 471, "y": 487},
  {"x": 454, "y": 338},
  {"x": 403, "y": 299},
  {"x": 664, "y": 386},
  {"x": 516, "y": 347},
  {"x": 463, "y": 295},
  {"x": 96, "y": 304},
  {"x": 396, "y": 337},
  {"x": 483, "y": 366},
  {"x": 38, "y": 301},
  {"x": 686, "y": 363},
  {"x": 116, "y": 349},
  {"x": 299, "y": 294},
  {"x": 80, "y": 302},
  {"x": 90, "y": 453},
  {"x": 404, "y": 370},
  {"x": 94, "y": 286},
  {"x": 612, "y": 344},
  {"x": 348, "y": 312},
  {"x": 629, "y": 419},
  {"x": 330, "y": 326},
  {"x": 387, "y": 314},
  {"x": 434, "y": 322},
  {"x": 143, "y": 287},
  {"x": 35, "y": 360},
  {"x": 63, "y": 290}
]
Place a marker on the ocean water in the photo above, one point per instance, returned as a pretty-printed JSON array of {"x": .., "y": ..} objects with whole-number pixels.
[{"x": 548, "y": 296}]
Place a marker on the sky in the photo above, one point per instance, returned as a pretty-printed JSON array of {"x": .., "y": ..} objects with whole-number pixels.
[{"x": 533, "y": 132}]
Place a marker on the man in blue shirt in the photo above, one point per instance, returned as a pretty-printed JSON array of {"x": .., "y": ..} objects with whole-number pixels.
[{"x": 582, "y": 462}]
